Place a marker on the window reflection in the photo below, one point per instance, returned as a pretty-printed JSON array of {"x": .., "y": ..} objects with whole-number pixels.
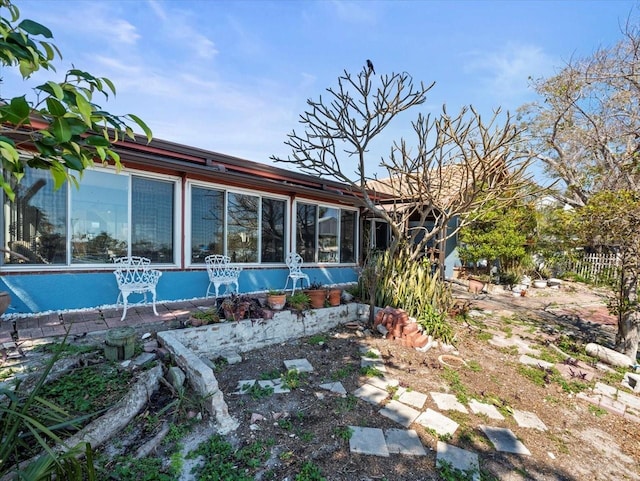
[
  {"x": 242, "y": 227},
  {"x": 207, "y": 223}
]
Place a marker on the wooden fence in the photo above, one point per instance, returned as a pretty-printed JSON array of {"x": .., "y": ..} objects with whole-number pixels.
[{"x": 595, "y": 268}]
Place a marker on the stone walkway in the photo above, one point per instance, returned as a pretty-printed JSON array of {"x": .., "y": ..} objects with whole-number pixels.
[
  {"x": 406, "y": 407},
  {"x": 428, "y": 410}
]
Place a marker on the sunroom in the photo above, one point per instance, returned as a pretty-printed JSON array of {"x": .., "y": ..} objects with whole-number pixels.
[{"x": 175, "y": 205}]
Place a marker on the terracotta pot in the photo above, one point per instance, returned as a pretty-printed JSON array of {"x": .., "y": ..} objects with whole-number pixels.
[
  {"x": 334, "y": 297},
  {"x": 276, "y": 301},
  {"x": 317, "y": 298},
  {"x": 5, "y": 300}
]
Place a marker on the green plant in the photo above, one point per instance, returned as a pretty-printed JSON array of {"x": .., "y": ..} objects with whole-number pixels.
[
  {"x": 127, "y": 468},
  {"x": 371, "y": 371},
  {"x": 459, "y": 389},
  {"x": 341, "y": 373},
  {"x": 315, "y": 285},
  {"x": 29, "y": 425},
  {"x": 343, "y": 432},
  {"x": 346, "y": 404},
  {"x": 208, "y": 316},
  {"x": 257, "y": 392},
  {"x": 293, "y": 378},
  {"x": 597, "y": 411},
  {"x": 317, "y": 339},
  {"x": 447, "y": 472},
  {"x": 299, "y": 301},
  {"x": 310, "y": 472},
  {"x": 371, "y": 355}
]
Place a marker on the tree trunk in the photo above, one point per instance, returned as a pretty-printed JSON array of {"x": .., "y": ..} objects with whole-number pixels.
[{"x": 627, "y": 336}]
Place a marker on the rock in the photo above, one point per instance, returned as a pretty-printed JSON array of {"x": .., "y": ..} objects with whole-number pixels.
[
  {"x": 176, "y": 377},
  {"x": 607, "y": 355}
]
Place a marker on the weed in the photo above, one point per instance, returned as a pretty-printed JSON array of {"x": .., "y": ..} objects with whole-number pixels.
[
  {"x": 285, "y": 424},
  {"x": 126, "y": 468},
  {"x": 597, "y": 411},
  {"x": 343, "y": 432},
  {"x": 459, "y": 389},
  {"x": 286, "y": 455},
  {"x": 268, "y": 375},
  {"x": 371, "y": 371},
  {"x": 341, "y": 373},
  {"x": 317, "y": 339},
  {"x": 346, "y": 404},
  {"x": 371, "y": 355},
  {"x": 474, "y": 365},
  {"x": 484, "y": 335},
  {"x": 176, "y": 462},
  {"x": 614, "y": 378},
  {"x": 293, "y": 378},
  {"x": 448, "y": 473},
  {"x": 511, "y": 350},
  {"x": 310, "y": 472},
  {"x": 221, "y": 461},
  {"x": 88, "y": 389},
  {"x": 65, "y": 348},
  {"x": 257, "y": 392},
  {"x": 306, "y": 436}
]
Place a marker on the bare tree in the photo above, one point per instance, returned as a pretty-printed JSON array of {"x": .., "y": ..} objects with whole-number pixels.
[{"x": 458, "y": 163}]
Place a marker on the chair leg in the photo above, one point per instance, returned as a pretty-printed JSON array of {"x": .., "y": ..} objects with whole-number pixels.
[
  {"x": 153, "y": 300},
  {"x": 294, "y": 282},
  {"x": 125, "y": 299},
  {"x": 208, "y": 290},
  {"x": 286, "y": 283}
]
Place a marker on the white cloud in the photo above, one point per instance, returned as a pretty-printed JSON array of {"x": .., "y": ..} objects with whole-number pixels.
[{"x": 504, "y": 73}]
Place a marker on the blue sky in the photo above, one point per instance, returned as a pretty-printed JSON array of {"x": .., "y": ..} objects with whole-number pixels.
[{"x": 234, "y": 76}]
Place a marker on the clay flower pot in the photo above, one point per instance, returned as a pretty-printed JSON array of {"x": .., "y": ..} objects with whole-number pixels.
[
  {"x": 334, "y": 297},
  {"x": 276, "y": 301},
  {"x": 316, "y": 297}
]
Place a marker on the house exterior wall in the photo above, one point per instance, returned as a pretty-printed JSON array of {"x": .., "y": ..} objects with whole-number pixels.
[
  {"x": 46, "y": 292},
  {"x": 66, "y": 253}
]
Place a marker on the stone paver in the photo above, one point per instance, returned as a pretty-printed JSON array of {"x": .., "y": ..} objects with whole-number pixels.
[
  {"x": 244, "y": 385},
  {"x": 374, "y": 363},
  {"x": 523, "y": 346},
  {"x": 440, "y": 423},
  {"x": 300, "y": 365},
  {"x": 458, "y": 458},
  {"x": 335, "y": 387},
  {"x": 412, "y": 398},
  {"x": 504, "y": 440},
  {"x": 371, "y": 394},
  {"x": 400, "y": 413},
  {"x": 368, "y": 441},
  {"x": 448, "y": 402},
  {"x": 383, "y": 382},
  {"x": 532, "y": 361},
  {"x": 275, "y": 384},
  {"x": 404, "y": 441},
  {"x": 488, "y": 410},
  {"x": 527, "y": 419}
]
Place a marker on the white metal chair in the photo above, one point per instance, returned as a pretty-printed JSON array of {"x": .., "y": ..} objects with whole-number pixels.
[
  {"x": 294, "y": 261},
  {"x": 134, "y": 275},
  {"x": 221, "y": 272}
]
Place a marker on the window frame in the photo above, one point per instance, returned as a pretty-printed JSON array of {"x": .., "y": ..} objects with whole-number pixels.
[
  {"x": 340, "y": 208},
  {"x": 238, "y": 191},
  {"x": 69, "y": 265}
]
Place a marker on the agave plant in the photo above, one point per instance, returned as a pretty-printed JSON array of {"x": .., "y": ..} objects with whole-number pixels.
[{"x": 31, "y": 447}]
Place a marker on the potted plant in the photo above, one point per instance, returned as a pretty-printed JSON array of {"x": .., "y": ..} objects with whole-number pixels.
[
  {"x": 334, "y": 296},
  {"x": 235, "y": 307},
  {"x": 299, "y": 301},
  {"x": 204, "y": 317},
  {"x": 276, "y": 300},
  {"x": 317, "y": 295}
]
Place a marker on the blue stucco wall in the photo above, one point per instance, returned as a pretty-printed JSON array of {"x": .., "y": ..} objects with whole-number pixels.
[{"x": 45, "y": 292}]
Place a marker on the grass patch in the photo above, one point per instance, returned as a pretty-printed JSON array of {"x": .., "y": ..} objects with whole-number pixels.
[
  {"x": 310, "y": 472},
  {"x": 370, "y": 371},
  {"x": 317, "y": 339},
  {"x": 453, "y": 379},
  {"x": 484, "y": 335},
  {"x": 342, "y": 373},
  {"x": 346, "y": 404}
]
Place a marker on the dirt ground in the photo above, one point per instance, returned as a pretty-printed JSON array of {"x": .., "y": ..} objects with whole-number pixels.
[
  {"x": 309, "y": 424},
  {"x": 582, "y": 442}
]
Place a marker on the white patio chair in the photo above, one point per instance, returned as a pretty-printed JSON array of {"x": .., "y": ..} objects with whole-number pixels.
[
  {"x": 221, "y": 273},
  {"x": 134, "y": 275},
  {"x": 294, "y": 261}
]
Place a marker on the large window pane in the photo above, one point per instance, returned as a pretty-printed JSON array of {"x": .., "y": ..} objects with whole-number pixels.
[
  {"x": 99, "y": 218},
  {"x": 207, "y": 223},
  {"x": 347, "y": 236},
  {"x": 328, "y": 235},
  {"x": 36, "y": 221},
  {"x": 273, "y": 230},
  {"x": 152, "y": 204},
  {"x": 306, "y": 231},
  {"x": 242, "y": 228}
]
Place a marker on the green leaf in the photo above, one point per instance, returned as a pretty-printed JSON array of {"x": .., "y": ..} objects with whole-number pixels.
[
  {"x": 143, "y": 126},
  {"x": 73, "y": 162},
  {"x": 34, "y": 28},
  {"x": 60, "y": 129},
  {"x": 112, "y": 87},
  {"x": 97, "y": 141},
  {"x": 17, "y": 112},
  {"x": 84, "y": 108},
  {"x": 55, "y": 107}
]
